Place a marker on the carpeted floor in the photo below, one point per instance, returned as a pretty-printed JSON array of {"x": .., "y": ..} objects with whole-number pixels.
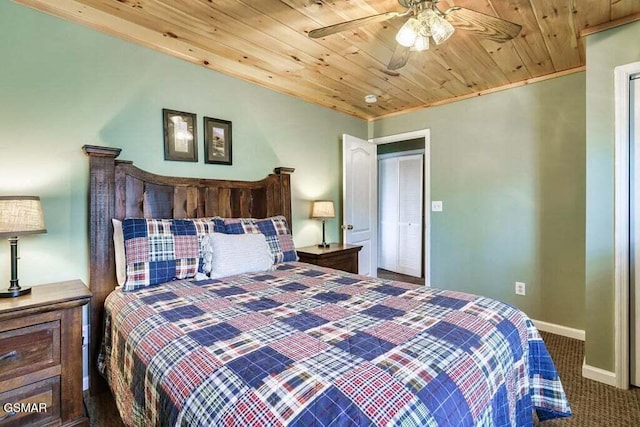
[
  {"x": 592, "y": 403},
  {"x": 102, "y": 410}
]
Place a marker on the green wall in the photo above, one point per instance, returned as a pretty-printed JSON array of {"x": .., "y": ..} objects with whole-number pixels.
[
  {"x": 63, "y": 85},
  {"x": 605, "y": 51},
  {"x": 509, "y": 168}
]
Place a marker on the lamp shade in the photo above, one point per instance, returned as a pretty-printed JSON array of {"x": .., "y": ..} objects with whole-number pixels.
[
  {"x": 20, "y": 215},
  {"x": 323, "y": 209}
]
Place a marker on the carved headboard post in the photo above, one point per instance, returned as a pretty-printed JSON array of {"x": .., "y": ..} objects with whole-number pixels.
[
  {"x": 285, "y": 191},
  {"x": 101, "y": 263}
]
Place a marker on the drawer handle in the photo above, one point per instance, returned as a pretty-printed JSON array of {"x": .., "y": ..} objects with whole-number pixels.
[
  {"x": 8, "y": 355},
  {"x": 7, "y": 416}
]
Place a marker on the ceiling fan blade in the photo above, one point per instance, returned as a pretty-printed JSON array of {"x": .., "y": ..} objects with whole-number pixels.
[
  {"x": 491, "y": 27},
  {"x": 336, "y": 28},
  {"x": 399, "y": 58}
]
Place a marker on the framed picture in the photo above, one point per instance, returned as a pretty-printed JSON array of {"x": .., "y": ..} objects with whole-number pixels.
[
  {"x": 217, "y": 141},
  {"x": 179, "y": 136}
]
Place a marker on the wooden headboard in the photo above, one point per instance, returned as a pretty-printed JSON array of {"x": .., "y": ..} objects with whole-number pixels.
[{"x": 118, "y": 189}]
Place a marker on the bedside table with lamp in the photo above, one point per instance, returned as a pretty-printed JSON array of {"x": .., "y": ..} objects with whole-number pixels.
[
  {"x": 333, "y": 255},
  {"x": 40, "y": 335}
]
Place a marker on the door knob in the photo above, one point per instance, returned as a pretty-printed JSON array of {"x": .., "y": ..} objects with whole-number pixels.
[{"x": 346, "y": 227}]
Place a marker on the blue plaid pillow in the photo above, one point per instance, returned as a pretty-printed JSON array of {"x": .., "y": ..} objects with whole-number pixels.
[
  {"x": 275, "y": 230},
  {"x": 161, "y": 250}
]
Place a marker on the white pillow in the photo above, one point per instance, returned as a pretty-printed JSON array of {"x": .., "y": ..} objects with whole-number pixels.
[
  {"x": 118, "y": 244},
  {"x": 230, "y": 254}
]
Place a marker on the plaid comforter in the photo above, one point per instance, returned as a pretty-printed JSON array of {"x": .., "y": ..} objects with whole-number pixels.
[{"x": 309, "y": 346}]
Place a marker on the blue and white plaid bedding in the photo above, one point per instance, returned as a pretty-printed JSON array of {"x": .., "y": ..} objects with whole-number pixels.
[{"x": 309, "y": 346}]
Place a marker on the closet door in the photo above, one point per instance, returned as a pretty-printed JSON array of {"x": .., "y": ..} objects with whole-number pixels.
[
  {"x": 400, "y": 214},
  {"x": 388, "y": 213},
  {"x": 410, "y": 215}
]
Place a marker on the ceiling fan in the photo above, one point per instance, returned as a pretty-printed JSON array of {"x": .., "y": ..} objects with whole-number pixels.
[{"x": 425, "y": 21}]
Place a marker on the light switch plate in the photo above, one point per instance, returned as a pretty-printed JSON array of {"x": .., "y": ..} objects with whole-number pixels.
[{"x": 436, "y": 206}]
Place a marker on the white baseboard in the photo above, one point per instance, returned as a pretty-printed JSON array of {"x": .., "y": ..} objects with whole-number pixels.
[
  {"x": 600, "y": 375},
  {"x": 565, "y": 331},
  {"x": 85, "y": 383},
  {"x": 589, "y": 372}
]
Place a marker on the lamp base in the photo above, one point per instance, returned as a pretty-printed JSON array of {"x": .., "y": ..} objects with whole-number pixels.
[
  {"x": 324, "y": 245},
  {"x": 12, "y": 293}
]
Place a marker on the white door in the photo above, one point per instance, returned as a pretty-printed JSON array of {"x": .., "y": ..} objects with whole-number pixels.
[
  {"x": 388, "y": 211},
  {"x": 410, "y": 215},
  {"x": 359, "y": 204},
  {"x": 400, "y": 208},
  {"x": 634, "y": 144}
]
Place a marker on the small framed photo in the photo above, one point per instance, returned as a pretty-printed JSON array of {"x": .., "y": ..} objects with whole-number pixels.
[
  {"x": 180, "y": 136},
  {"x": 217, "y": 141}
]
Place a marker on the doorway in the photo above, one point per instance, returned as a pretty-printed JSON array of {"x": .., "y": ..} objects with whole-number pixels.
[
  {"x": 627, "y": 356},
  {"x": 400, "y": 216},
  {"x": 360, "y": 193},
  {"x": 403, "y": 232}
]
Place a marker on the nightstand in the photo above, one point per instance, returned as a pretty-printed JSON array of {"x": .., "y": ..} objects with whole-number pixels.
[
  {"x": 41, "y": 356},
  {"x": 339, "y": 256}
]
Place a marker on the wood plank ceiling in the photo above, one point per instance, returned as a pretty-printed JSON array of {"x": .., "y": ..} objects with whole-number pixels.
[{"x": 266, "y": 42}]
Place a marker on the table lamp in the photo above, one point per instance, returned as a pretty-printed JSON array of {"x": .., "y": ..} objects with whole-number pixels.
[
  {"x": 323, "y": 209},
  {"x": 19, "y": 216}
]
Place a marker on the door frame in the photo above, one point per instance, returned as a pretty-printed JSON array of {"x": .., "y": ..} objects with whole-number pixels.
[
  {"x": 426, "y": 184},
  {"x": 623, "y": 75}
]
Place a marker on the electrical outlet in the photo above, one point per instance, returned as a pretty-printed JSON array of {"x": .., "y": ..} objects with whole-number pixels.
[
  {"x": 436, "y": 206},
  {"x": 521, "y": 288}
]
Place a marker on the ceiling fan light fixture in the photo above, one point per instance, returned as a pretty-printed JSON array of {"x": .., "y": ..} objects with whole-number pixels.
[
  {"x": 423, "y": 20},
  {"x": 441, "y": 30},
  {"x": 422, "y": 43},
  {"x": 408, "y": 32}
]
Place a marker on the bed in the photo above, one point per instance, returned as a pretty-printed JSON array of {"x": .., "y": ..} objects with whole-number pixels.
[{"x": 297, "y": 344}]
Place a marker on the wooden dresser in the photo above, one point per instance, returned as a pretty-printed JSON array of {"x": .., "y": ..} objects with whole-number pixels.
[
  {"x": 339, "y": 256},
  {"x": 41, "y": 356}
]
